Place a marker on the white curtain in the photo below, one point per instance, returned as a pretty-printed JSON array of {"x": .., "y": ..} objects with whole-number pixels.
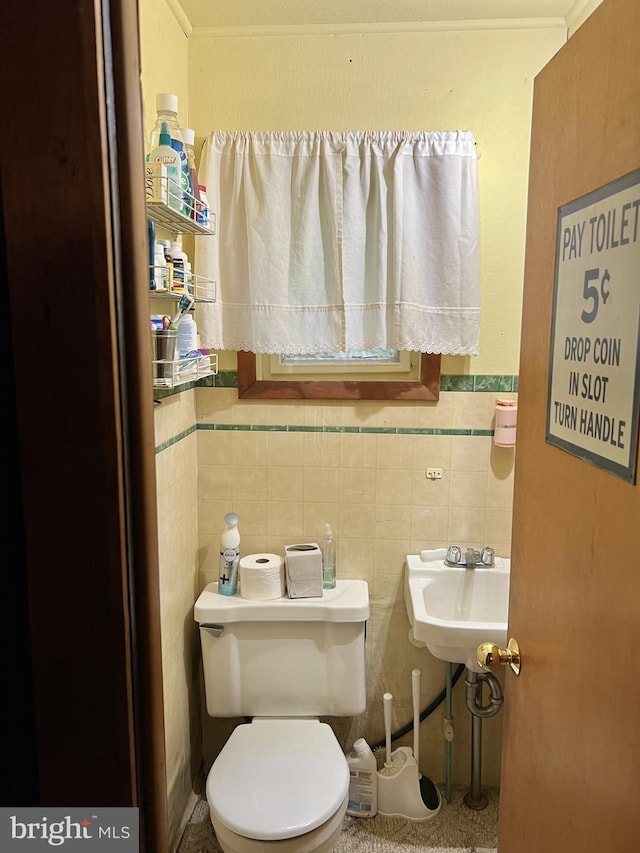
[{"x": 328, "y": 242}]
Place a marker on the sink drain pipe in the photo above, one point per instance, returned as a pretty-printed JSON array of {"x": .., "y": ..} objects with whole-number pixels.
[{"x": 474, "y": 798}]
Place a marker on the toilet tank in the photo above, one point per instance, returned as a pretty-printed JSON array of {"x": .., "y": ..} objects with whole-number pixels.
[{"x": 284, "y": 657}]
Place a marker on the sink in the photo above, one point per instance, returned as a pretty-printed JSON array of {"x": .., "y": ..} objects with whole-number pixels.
[{"x": 453, "y": 609}]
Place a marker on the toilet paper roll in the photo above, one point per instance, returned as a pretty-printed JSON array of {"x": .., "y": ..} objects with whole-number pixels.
[{"x": 262, "y": 576}]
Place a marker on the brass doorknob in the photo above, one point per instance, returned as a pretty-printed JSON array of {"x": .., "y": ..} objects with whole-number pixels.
[{"x": 492, "y": 657}]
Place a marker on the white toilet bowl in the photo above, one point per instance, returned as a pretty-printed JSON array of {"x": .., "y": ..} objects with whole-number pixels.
[{"x": 279, "y": 784}]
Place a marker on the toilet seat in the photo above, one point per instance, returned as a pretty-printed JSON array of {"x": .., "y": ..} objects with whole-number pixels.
[{"x": 278, "y": 778}]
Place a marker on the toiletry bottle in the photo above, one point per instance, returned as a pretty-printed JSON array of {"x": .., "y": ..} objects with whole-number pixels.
[
  {"x": 161, "y": 270},
  {"x": 328, "y": 559},
  {"x": 164, "y": 153},
  {"x": 167, "y": 113},
  {"x": 229, "y": 556},
  {"x": 187, "y": 335},
  {"x": 179, "y": 265},
  {"x": 168, "y": 259},
  {"x": 204, "y": 206},
  {"x": 188, "y": 278},
  {"x": 186, "y": 202},
  {"x": 363, "y": 780},
  {"x": 189, "y": 136},
  {"x": 151, "y": 238}
]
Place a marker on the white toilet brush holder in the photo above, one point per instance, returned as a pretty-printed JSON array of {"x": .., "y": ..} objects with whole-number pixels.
[{"x": 399, "y": 794}]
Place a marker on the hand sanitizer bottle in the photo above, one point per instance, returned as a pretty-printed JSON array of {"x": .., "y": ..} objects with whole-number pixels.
[
  {"x": 229, "y": 556},
  {"x": 328, "y": 559}
]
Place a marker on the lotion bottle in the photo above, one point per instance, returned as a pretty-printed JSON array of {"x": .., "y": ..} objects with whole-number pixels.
[{"x": 229, "y": 555}]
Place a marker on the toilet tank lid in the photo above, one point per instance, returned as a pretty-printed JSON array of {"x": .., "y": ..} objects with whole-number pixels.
[{"x": 347, "y": 602}]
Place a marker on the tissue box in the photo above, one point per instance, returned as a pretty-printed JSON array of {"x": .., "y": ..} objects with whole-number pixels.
[{"x": 303, "y": 565}]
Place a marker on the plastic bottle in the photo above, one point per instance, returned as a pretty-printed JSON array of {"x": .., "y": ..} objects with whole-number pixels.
[
  {"x": 363, "y": 780},
  {"x": 168, "y": 259},
  {"x": 187, "y": 335},
  {"x": 229, "y": 556},
  {"x": 179, "y": 266},
  {"x": 186, "y": 190},
  {"x": 167, "y": 113},
  {"x": 204, "y": 206},
  {"x": 164, "y": 153},
  {"x": 188, "y": 278},
  {"x": 160, "y": 268},
  {"x": 189, "y": 135},
  {"x": 151, "y": 239},
  {"x": 328, "y": 559}
]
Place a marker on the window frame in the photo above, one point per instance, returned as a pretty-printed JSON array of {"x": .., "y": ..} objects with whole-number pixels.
[{"x": 426, "y": 388}]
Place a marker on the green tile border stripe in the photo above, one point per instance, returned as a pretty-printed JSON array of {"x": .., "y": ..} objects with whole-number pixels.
[
  {"x": 176, "y": 438},
  {"x": 501, "y": 383},
  {"x": 347, "y": 430},
  {"x": 341, "y": 429}
]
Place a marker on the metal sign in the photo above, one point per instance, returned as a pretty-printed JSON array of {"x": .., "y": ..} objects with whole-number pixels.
[{"x": 593, "y": 397}]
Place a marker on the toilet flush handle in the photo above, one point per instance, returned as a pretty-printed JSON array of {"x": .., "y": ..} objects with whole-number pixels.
[{"x": 216, "y": 630}]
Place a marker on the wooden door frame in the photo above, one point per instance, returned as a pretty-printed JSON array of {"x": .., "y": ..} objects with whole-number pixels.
[{"x": 87, "y": 682}]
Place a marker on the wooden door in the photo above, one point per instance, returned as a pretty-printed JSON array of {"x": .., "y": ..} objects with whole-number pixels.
[
  {"x": 571, "y": 750},
  {"x": 80, "y": 563}
]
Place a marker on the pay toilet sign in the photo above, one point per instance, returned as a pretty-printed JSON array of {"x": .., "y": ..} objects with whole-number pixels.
[{"x": 594, "y": 364}]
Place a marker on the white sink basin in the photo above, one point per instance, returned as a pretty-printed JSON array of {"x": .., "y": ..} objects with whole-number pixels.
[{"x": 452, "y": 610}]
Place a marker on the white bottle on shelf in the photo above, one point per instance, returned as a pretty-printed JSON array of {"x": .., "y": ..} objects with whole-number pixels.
[
  {"x": 167, "y": 112},
  {"x": 161, "y": 269},
  {"x": 187, "y": 335}
]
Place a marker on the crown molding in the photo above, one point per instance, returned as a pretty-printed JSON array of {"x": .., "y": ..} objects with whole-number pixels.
[{"x": 279, "y": 30}]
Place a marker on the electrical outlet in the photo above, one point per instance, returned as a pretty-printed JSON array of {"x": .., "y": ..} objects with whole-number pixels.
[{"x": 433, "y": 473}]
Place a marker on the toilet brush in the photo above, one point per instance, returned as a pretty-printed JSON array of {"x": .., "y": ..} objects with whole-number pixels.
[
  {"x": 387, "y": 704},
  {"x": 428, "y": 790}
]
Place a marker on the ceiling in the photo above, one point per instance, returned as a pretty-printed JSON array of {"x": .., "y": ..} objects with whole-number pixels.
[{"x": 241, "y": 14}]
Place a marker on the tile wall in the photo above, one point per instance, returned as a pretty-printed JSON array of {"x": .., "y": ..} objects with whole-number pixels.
[{"x": 287, "y": 468}]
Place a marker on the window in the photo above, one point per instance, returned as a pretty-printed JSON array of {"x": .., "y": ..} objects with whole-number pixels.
[{"x": 409, "y": 376}]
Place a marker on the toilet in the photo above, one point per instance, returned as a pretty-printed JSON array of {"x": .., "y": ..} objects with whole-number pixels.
[{"x": 281, "y": 781}]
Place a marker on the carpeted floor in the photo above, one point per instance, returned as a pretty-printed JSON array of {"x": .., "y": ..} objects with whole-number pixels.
[{"x": 455, "y": 829}]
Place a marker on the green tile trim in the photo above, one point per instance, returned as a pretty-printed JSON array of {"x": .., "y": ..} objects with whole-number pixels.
[
  {"x": 448, "y": 382},
  {"x": 322, "y": 429},
  {"x": 456, "y": 383},
  {"x": 176, "y": 438}
]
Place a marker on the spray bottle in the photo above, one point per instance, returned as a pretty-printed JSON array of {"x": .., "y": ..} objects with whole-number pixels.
[{"x": 229, "y": 556}]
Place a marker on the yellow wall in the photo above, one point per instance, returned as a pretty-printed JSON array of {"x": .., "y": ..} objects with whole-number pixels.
[
  {"x": 477, "y": 80},
  {"x": 163, "y": 50}
]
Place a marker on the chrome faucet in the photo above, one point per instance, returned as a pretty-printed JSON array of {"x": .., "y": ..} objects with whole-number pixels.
[{"x": 472, "y": 558}]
